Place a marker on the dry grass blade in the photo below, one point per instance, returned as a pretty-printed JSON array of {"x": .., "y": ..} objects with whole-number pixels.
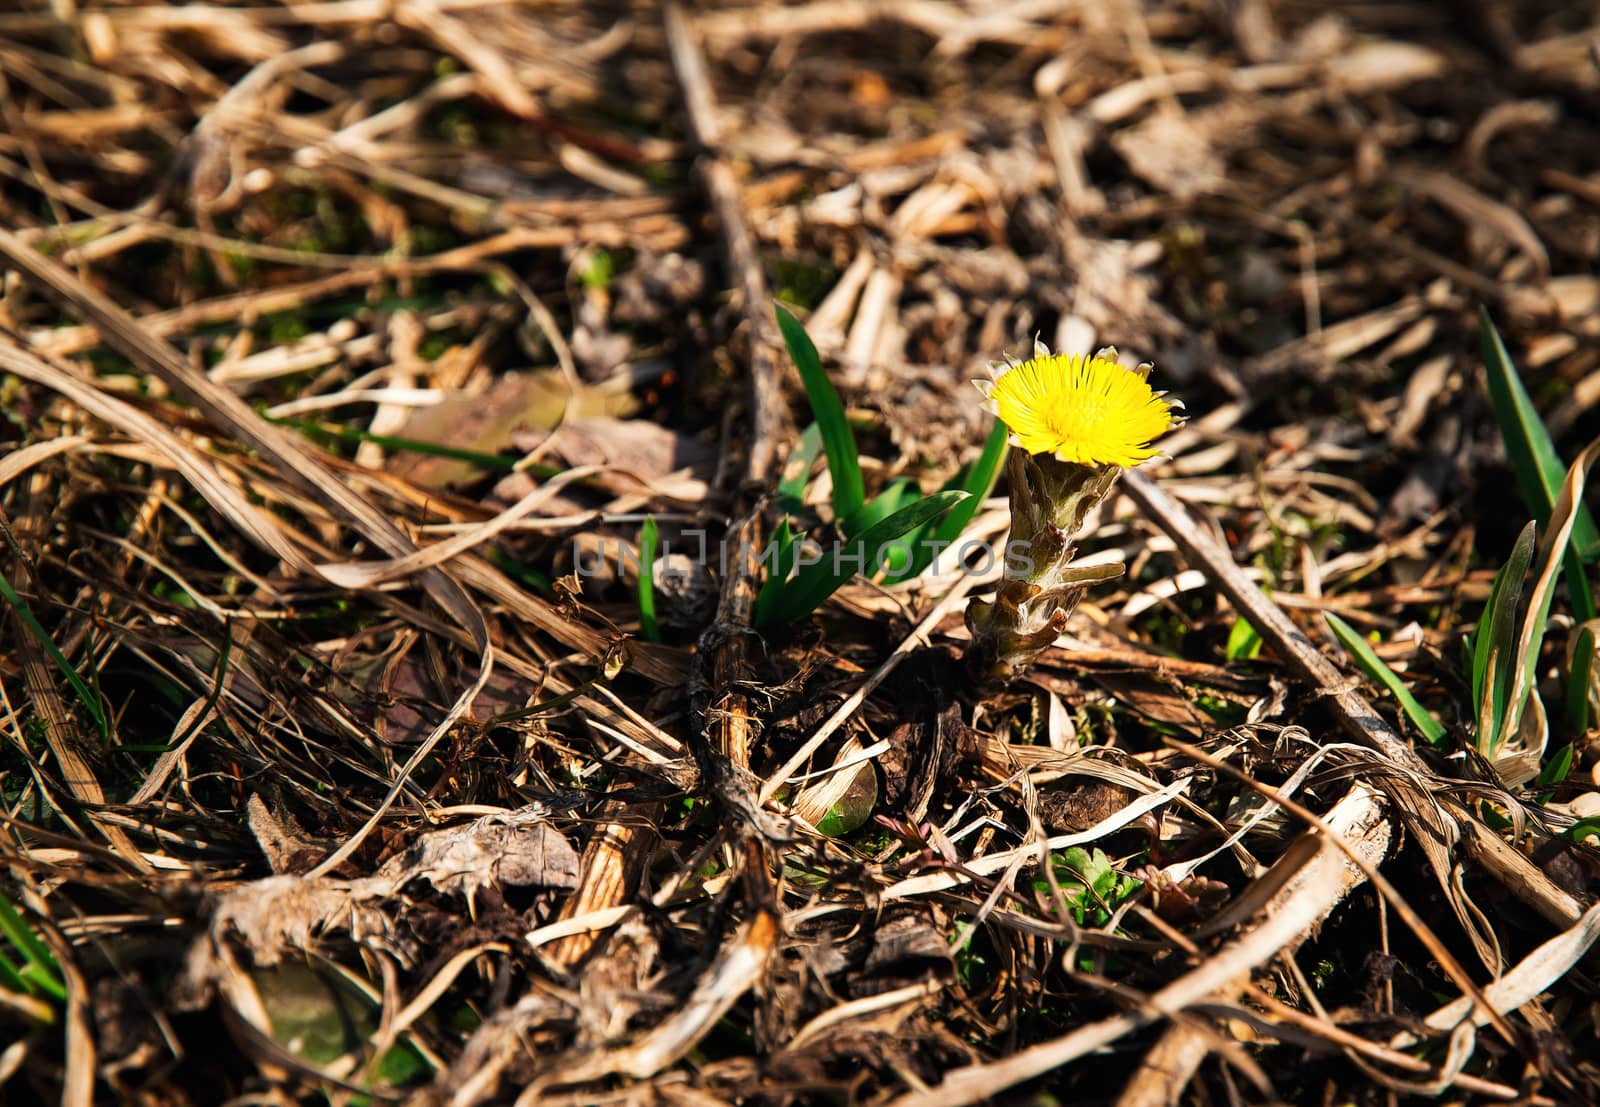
[
  {"x": 188, "y": 461},
  {"x": 1321, "y": 1030},
  {"x": 1523, "y": 983},
  {"x": 740, "y": 963},
  {"x": 78, "y": 1086},
  {"x": 20, "y": 461},
  {"x": 722, "y": 186},
  {"x": 1318, "y": 883},
  {"x": 1354, "y": 711},
  {"x": 727, "y": 712},
  {"x": 345, "y": 347},
  {"x": 60, "y": 734},
  {"x": 914, "y": 640},
  {"x": 233, "y": 416},
  {"x": 1390, "y": 893}
]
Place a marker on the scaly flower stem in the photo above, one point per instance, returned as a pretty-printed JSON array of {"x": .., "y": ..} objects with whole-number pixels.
[
  {"x": 1050, "y": 500},
  {"x": 1076, "y": 423}
]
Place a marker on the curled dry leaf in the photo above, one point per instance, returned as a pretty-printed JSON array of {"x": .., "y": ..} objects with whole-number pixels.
[
  {"x": 518, "y": 848},
  {"x": 280, "y": 914}
]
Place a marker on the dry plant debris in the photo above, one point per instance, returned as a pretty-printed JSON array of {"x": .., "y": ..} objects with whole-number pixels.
[{"x": 345, "y": 348}]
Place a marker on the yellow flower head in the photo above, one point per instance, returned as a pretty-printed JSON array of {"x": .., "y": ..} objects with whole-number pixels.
[{"x": 1090, "y": 411}]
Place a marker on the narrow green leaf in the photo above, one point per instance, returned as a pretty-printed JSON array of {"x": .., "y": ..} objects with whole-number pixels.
[
  {"x": 838, "y": 441},
  {"x": 1578, "y": 588},
  {"x": 1556, "y": 769},
  {"x": 1493, "y": 667},
  {"x": 1533, "y": 455},
  {"x": 920, "y": 540},
  {"x": 10, "y": 979},
  {"x": 40, "y": 964},
  {"x": 816, "y": 582},
  {"x": 1538, "y": 467},
  {"x": 516, "y": 570},
  {"x": 1579, "y": 675},
  {"x": 1373, "y": 665},
  {"x": 1483, "y": 634},
  {"x": 1244, "y": 641},
  {"x": 896, "y": 495},
  {"x": 90, "y": 701},
  {"x": 42, "y": 979},
  {"x": 1492, "y": 818},
  {"x": 978, "y": 481},
  {"x": 797, "y": 471},
  {"x": 1553, "y": 553},
  {"x": 1584, "y": 829},
  {"x": 776, "y": 557},
  {"x": 20, "y": 935},
  {"x": 648, "y": 535}
]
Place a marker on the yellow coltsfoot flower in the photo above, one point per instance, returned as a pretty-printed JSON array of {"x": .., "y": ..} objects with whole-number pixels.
[
  {"x": 1076, "y": 423},
  {"x": 1091, "y": 411}
]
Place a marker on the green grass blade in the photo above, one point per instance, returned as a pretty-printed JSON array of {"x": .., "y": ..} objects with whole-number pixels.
[
  {"x": 10, "y": 979},
  {"x": 1579, "y": 676},
  {"x": 1584, "y": 829},
  {"x": 516, "y": 570},
  {"x": 1370, "y": 663},
  {"x": 1556, "y": 769},
  {"x": 1244, "y": 641},
  {"x": 90, "y": 701},
  {"x": 1533, "y": 456},
  {"x": 797, "y": 471},
  {"x": 838, "y": 441},
  {"x": 648, "y": 536},
  {"x": 22, "y": 938},
  {"x": 898, "y": 494},
  {"x": 1553, "y": 554},
  {"x": 977, "y": 481},
  {"x": 1482, "y": 635},
  {"x": 816, "y": 582},
  {"x": 776, "y": 556},
  {"x": 40, "y": 965},
  {"x": 922, "y": 556},
  {"x": 1495, "y": 639},
  {"x": 1578, "y": 589}
]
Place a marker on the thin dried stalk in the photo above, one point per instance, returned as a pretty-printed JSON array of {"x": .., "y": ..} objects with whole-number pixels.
[{"x": 1320, "y": 881}]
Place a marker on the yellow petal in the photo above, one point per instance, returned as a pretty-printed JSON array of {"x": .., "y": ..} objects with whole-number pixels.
[{"x": 1090, "y": 411}]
